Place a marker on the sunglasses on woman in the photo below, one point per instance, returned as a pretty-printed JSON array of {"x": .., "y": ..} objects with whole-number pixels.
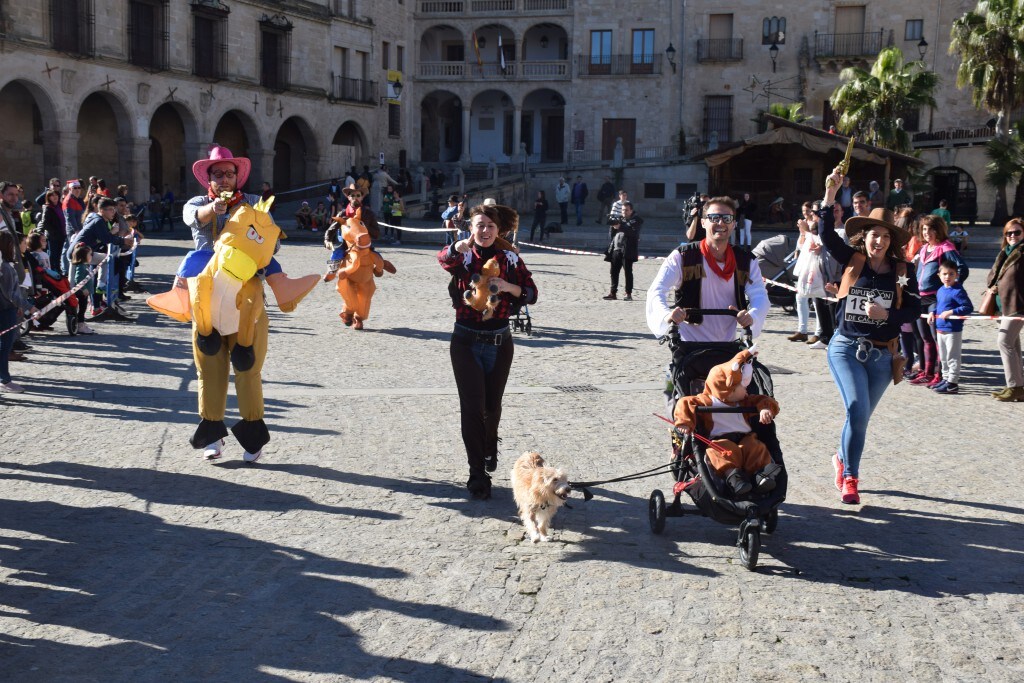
[{"x": 1013, "y": 233}]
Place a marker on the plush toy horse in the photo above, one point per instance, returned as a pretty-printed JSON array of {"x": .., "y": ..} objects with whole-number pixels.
[
  {"x": 482, "y": 294},
  {"x": 355, "y": 274},
  {"x": 230, "y": 324}
]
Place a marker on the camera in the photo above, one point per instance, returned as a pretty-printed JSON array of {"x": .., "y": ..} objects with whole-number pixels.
[{"x": 693, "y": 202}]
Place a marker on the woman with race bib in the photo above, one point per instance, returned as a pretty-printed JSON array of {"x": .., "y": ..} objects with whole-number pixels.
[{"x": 877, "y": 294}]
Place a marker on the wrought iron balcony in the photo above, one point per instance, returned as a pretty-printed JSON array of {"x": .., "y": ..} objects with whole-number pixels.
[
  {"x": 354, "y": 90},
  {"x": 618, "y": 65},
  {"x": 831, "y": 45},
  {"x": 719, "y": 49},
  {"x": 452, "y": 7}
]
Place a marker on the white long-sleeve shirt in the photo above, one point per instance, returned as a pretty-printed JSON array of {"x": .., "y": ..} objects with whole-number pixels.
[{"x": 714, "y": 293}]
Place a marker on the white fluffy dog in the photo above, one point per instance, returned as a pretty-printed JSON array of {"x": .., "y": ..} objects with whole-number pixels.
[{"x": 539, "y": 491}]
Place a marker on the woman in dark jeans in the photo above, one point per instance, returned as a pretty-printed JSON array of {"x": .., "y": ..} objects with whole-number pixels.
[
  {"x": 481, "y": 345},
  {"x": 12, "y": 299},
  {"x": 540, "y": 215}
]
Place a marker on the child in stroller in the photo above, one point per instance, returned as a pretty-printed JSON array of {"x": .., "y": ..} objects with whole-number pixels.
[{"x": 753, "y": 511}]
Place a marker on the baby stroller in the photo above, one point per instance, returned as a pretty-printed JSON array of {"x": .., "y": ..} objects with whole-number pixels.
[
  {"x": 753, "y": 512},
  {"x": 47, "y": 288},
  {"x": 521, "y": 322},
  {"x": 775, "y": 257}
]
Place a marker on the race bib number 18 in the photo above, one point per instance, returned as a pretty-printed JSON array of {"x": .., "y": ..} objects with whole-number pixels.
[{"x": 857, "y": 304}]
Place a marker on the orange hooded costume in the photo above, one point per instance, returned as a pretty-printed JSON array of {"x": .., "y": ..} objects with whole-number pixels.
[{"x": 726, "y": 387}]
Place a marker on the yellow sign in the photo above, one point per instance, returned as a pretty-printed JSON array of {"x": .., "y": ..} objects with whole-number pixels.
[{"x": 391, "y": 93}]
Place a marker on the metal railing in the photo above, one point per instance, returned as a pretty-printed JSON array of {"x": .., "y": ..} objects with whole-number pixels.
[
  {"x": 618, "y": 65},
  {"x": 531, "y": 70},
  {"x": 848, "y": 44},
  {"x": 354, "y": 90},
  {"x": 939, "y": 138},
  {"x": 490, "y": 6},
  {"x": 719, "y": 49}
]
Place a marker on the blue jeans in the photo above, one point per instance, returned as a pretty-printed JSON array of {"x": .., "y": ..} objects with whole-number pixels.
[
  {"x": 861, "y": 385},
  {"x": 7, "y": 318},
  {"x": 579, "y": 214}
]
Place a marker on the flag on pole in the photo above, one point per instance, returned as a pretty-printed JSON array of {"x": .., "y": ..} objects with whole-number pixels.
[
  {"x": 501, "y": 54},
  {"x": 476, "y": 49}
]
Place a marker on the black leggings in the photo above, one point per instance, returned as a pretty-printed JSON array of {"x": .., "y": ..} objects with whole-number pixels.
[
  {"x": 538, "y": 221},
  {"x": 620, "y": 262},
  {"x": 480, "y": 397},
  {"x": 826, "y": 314}
]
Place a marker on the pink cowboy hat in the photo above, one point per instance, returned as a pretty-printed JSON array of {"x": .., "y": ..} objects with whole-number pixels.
[{"x": 201, "y": 169}]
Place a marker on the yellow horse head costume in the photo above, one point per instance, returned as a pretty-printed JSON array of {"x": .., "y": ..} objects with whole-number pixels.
[
  {"x": 355, "y": 275},
  {"x": 229, "y": 321}
]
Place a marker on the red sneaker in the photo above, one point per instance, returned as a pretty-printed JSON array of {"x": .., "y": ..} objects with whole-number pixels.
[
  {"x": 838, "y": 465},
  {"x": 850, "y": 494},
  {"x": 921, "y": 378},
  {"x": 936, "y": 381}
]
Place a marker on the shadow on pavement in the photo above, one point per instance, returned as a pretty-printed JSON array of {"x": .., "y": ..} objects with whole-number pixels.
[
  {"x": 909, "y": 550},
  {"x": 169, "y": 602}
]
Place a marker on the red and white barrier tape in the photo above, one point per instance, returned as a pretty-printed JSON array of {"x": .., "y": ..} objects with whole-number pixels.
[
  {"x": 979, "y": 317},
  {"x": 60, "y": 299},
  {"x": 410, "y": 229},
  {"x": 580, "y": 252},
  {"x": 794, "y": 289}
]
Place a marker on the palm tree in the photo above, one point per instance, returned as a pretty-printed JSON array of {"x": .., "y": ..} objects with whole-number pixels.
[
  {"x": 790, "y": 112},
  {"x": 1006, "y": 165},
  {"x": 990, "y": 44},
  {"x": 870, "y": 103}
]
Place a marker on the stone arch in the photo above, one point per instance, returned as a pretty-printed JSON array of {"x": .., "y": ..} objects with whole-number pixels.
[
  {"x": 349, "y": 147},
  {"x": 440, "y": 127},
  {"x": 956, "y": 186},
  {"x": 487, "y": 37},
  {"x": 174, "y": 141},
  {"x": 295, "y": 154},
  {"x": 238, "y": 132},
  {"x": 545, "y": 42},
  {"x": 543, "y": 125},
  {"x": 491, "y": 134},
  {"x": 29, "y": 136},
  {"x": 105, "y": 133}
]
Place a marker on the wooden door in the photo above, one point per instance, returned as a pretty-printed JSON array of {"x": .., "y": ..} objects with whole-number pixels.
[{"x": 611, "y": 129}]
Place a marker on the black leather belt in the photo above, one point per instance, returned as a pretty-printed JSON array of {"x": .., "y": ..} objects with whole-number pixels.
[{"x": 495, "y": 338}]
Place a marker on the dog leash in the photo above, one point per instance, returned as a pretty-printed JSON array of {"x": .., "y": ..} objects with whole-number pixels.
[{"x": 583, "y": 486}]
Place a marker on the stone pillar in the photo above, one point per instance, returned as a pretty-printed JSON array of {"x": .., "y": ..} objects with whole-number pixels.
[
  {"x": 193, "y": 153},
  {"x": 466, "y": 119},
  {"x": 517, "y": 131},
  {"x": 262, "y": 170},
  {"x": 63, "y": 146},
  {"x": 134, "y": 169}
]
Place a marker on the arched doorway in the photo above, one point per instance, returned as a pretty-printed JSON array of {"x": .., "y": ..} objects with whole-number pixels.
[
  {"x": 102, "y": 122},
  {"x": 27, "y": 158},
  {"x": 491, "y": 128},
  {"x": 441, "y": 127},
  {"x": 237, "y": 132},
  {"x": 956, "y": 186},
  {"x": 169, "y": 137},
  {"x": 293, "y": 146},
  {"x": 348, "y": 148},
  {"x": 543, "y": 125}
]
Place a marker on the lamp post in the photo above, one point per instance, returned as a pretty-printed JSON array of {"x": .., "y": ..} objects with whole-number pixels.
[
  {"x": 922, "y": 48},
  {"x": 773, "y": 52},
  {"x": 670, "y": 54},
  {"x": 396, "y": 91}
]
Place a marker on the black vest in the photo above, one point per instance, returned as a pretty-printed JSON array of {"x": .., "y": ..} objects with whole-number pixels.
[{"x": 688, "y": 292}]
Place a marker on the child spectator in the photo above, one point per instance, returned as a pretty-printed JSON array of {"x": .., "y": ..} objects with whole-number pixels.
[
  {"x": 28, "y": 223},
  {"x": 319, "y": 216},
  {"x": 129, "y": 284},
  {"x": 958, "y": 236},
  {"x": 81, "y": 258},
  {"x": 304, "y": 217},
  {"x": 12, "y": 299},
  {"x": 950, "y": 300},
  {"x": 37, "y": 248}
]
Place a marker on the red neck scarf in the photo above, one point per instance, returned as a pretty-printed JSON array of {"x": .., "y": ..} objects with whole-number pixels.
[
  {"x": 730, "y": 260},
  {"x": 235, "y": 200}
]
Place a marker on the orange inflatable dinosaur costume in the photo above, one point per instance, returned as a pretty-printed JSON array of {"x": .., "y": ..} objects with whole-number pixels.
[{"x": 356, "y": 273}]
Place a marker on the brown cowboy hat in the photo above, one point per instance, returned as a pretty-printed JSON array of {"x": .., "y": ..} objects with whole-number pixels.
[
  {"x": 877, "y": 217},
  {"x": 354, "y": 190}
]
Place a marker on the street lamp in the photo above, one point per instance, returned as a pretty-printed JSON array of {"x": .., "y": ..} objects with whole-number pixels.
[
  {"x": 670, "y": 54},
  {"x": 773, "y": 52},
  {"x": 396, "y": 90},
  {"x": 922, "y": 48}
]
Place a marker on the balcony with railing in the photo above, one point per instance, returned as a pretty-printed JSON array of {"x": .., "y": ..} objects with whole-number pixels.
[
  {"x": 618, "y": 65},
  {"x": 545, "y": 70},
  {"x": 464, "y": 7},
  {"x": 719, "y": 49},
  {"x": 954, "y": 137},
  {"x": 354, "y": 90},
  {"x": 839, "y": 45}
]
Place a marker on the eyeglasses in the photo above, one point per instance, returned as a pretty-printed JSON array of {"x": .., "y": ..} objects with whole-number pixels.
[
  {"x": 1014, "y": 233},
  {"x": 230, "y": 175},
  {"x": 726, "y": 218}
]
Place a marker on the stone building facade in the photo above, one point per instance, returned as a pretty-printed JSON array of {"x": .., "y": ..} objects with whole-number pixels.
[{"x": 134, "y": 90}]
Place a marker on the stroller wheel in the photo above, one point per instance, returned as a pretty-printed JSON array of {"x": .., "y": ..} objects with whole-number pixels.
[
  {"x": 71, "y": 319},
  {"x": 771, "y": 521},
  {"x": 750, "y": 548},
  {"x": 656, "y": 511},
  {"x": 529, "y": 328}
]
